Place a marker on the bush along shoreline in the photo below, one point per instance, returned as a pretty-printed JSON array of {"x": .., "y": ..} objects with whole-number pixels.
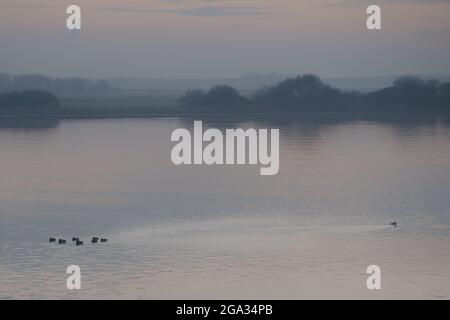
[
  {"x": 310, "y": 93},
  {"x": 28, "y": 101}
]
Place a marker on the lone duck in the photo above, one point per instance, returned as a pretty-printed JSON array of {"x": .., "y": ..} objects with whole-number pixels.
[
  {"x": 61, "y": 241},
  {"x": 394, "y": 224},
  {"x": 52, "y": 240},
  {"x": 75, "y": 239},
  {"x": 103, "y": 240},
  {"x": 79, "y": 243},
  {"x": 94, "y": 240}
]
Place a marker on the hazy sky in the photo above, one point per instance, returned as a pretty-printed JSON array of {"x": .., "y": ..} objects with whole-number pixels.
[{"x": 223, "y": 38}]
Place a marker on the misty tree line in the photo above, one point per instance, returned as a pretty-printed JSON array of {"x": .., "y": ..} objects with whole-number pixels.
[
  {"x": 302, "y": 93},
  {"x": 310, "y": 92},
  {"x": 29, "y": 98},
  {"x": 59, "y": 86}
]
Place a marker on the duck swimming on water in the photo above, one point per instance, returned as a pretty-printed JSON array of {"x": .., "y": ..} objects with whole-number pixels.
[{"x": 394, "y": 224}]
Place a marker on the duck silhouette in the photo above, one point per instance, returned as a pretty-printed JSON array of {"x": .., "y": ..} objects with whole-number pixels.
[
  {"x": 75, "y": 239},
  {"x": 103, "y": 240},
  {"x": 394, "y": 224},
  {"x": 61, "y": 241},
  {"x": 52, "y": 240},
  {"x": 94, "y": 240},
  {"x": 79, "y": 243}
]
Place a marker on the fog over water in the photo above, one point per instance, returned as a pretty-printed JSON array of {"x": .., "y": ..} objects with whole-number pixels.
[{"x": 225, "y": 232}]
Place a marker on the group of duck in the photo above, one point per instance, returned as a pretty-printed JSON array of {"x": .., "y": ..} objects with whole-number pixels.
[{"x": 77, "y": 240}]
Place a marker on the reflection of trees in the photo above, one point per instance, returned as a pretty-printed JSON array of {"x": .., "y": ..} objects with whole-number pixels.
[
  {"x": 308, "y": 128},
  {"x": 29, "y": 124}
]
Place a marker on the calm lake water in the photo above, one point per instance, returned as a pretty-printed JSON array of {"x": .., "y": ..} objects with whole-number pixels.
[{"x": 224, "y": 231}]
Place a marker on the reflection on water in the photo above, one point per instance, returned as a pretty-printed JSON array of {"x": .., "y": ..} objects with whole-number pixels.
[
  {"x": 31, "y": 124},
  {"x": 226, "y": 232}
]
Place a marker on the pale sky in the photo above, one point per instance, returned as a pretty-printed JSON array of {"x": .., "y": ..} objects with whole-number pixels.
[{"x": 224, "y": 38}]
